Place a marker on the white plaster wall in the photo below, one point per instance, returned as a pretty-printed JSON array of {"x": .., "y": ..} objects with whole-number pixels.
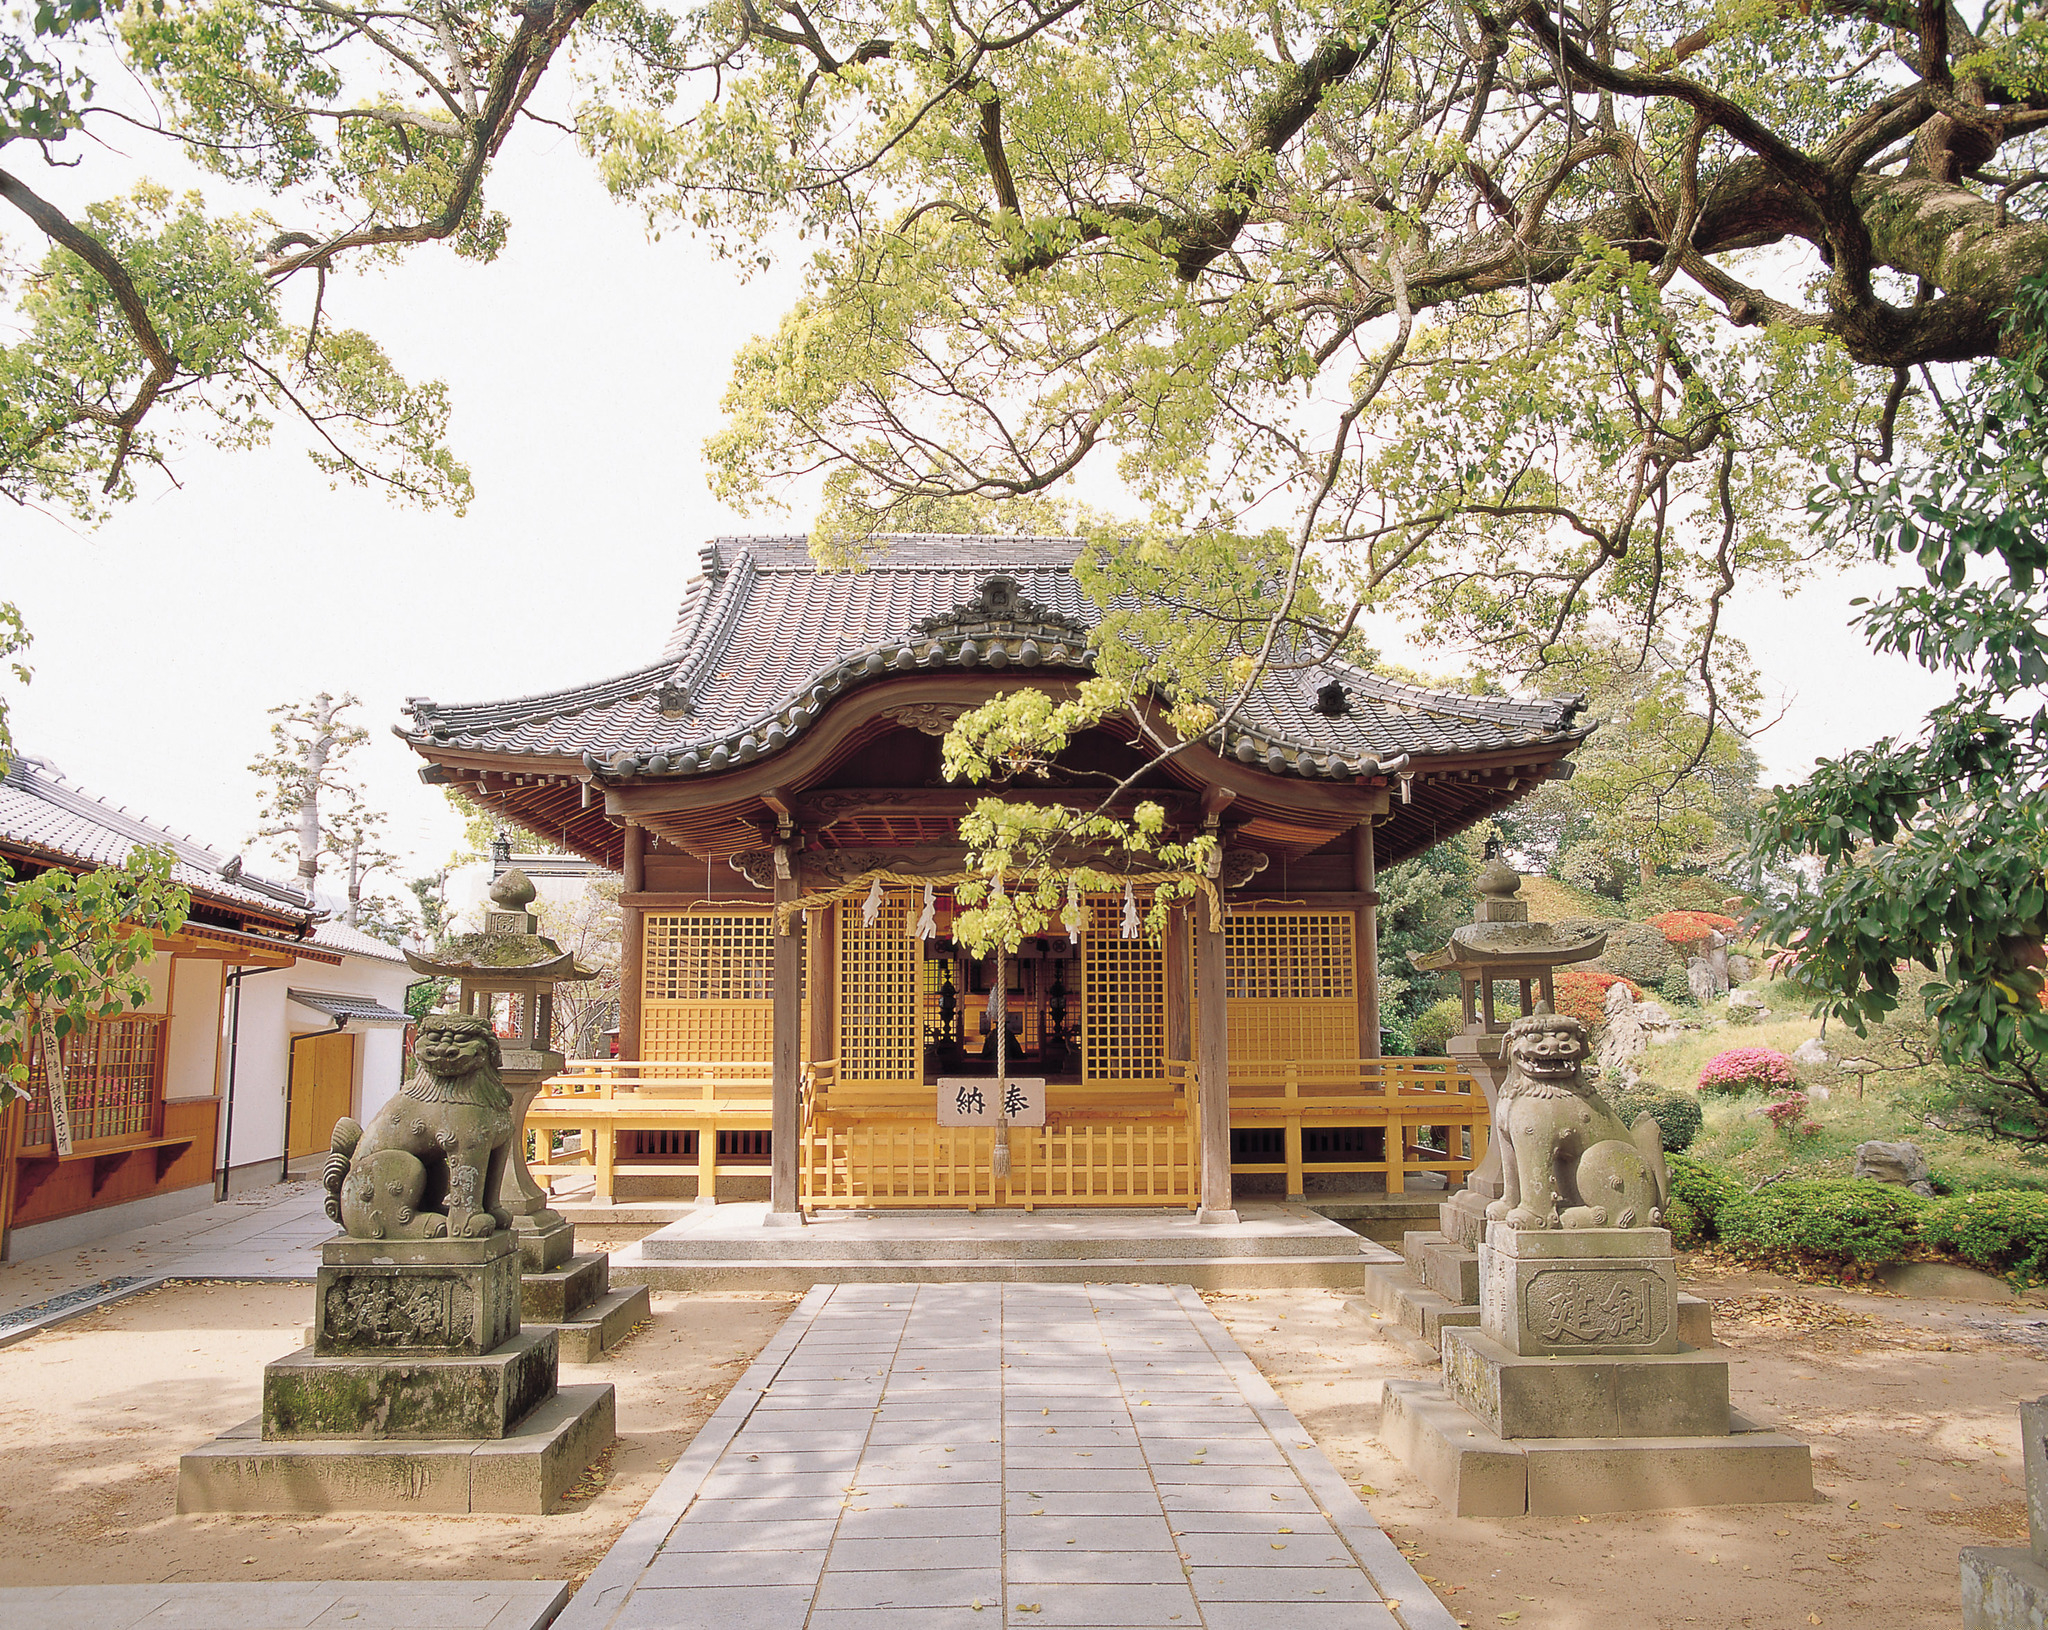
[
  {"x": 195, "y": 1034},
  {"x": 270, "y": 1019}
]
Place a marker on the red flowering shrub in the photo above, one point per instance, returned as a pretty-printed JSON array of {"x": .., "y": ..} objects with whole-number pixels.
[
  {"x": 1582, "y": 993},
  {"x": 1747, "y": 1069},
  {"x": 1691, "y": 927},
  {"x": 1786, "y": 1109}
]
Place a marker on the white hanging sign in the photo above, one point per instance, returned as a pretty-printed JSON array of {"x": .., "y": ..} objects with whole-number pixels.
[{"x": 977, "y": 1100}]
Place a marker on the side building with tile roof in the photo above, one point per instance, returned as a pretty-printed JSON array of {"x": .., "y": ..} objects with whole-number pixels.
[
  {"x": 785, "y": 745},
  {"x": 189, "y": 1095}
]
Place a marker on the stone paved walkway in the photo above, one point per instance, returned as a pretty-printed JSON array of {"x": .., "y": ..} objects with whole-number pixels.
[
  {"x": 926, "y": 1457},
  {"x": 413, "y": 1604}
]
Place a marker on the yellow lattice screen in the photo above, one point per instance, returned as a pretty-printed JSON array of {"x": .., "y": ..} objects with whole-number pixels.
[
  {"x": 1123, "y": 989},
  {"x": 878, "y": 995},
  {"x": 708, "y": 986},
  {"x": 1292, "y": 985}
]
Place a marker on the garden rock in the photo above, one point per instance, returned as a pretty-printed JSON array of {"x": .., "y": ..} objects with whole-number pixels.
[
  {"x": 1746, "y": 1007},
  {"x": 1717, "y": 960},
  {"x": 1741, "y": 970},
  {"x": 1622, "y": 1039},
  {"x": 1812, "y": 1051},
  {"x": 1898, "y": 1163},
  {"x": 1699, "y": 974}
]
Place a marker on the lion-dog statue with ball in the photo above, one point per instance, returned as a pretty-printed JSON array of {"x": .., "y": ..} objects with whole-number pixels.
[
  {"x": 428, "y": 1162},
  {"x": 1568, "y": 1162}
]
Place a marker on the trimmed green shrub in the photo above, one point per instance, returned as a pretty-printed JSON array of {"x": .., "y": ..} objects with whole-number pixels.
[
  {"x": 1986, "y": 1182},
  {"x": 1847, "y": 1223},
  {"x": 1674, "y": 989},
  {"x": 1677, "y": 1114},
  {"x": 2003, "y": 1231},
  {"x": 1436, "y": 1024},
  {"x": 1699, "y": 1193}
]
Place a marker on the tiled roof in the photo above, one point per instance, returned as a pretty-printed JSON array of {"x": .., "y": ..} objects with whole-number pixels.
[
  {"x": 764, "y": 641},
  {"x": 353, "y": 1009},
  {"x": 336, "y": 935},
  {"x": 43, "y": 813}
]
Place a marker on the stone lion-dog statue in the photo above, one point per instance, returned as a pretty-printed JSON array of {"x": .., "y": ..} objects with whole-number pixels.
[
  {"x": 1568, "y": 1162},
  {"x": 429, "y": 1161}
]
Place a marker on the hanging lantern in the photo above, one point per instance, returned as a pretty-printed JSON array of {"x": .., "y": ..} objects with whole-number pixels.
[
  {"x": 1072, "y": 916},
  {"x": 1133, "y": 925},
  {"x": 927, "y": 924},
  {"x": 871, "y": 907}
]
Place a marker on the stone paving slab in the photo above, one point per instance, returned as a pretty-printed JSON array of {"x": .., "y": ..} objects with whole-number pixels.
[
  {"x": 932, "y": 1456},
  {"x": 410, "y": 1604}
]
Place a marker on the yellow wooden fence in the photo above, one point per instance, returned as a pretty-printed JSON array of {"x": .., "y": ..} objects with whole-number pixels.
[{"x": 877, "y": 1144}]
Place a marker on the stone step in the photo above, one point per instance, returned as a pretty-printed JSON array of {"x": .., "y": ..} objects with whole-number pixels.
[
  {"x": 558, "y": 1296},
  {"x": 736, "y": 1233},
  {"x": 524, "y": 1473},
  {"x": 601, "y": 1325},
  {"x": 782, "y": 1274}
]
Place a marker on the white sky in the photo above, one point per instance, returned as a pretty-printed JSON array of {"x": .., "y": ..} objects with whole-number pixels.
[{"x": 586, "y": 368}]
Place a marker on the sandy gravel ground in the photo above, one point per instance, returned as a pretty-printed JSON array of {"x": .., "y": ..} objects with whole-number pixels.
[
  {"x": 1910, "y": 1407},
  {"x": 94, "y": 1414}
]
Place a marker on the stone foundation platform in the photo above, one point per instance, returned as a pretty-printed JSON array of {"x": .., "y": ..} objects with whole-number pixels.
[
  {"x": 524, "y": 1473},
  {"x": 1479, "y": 1474}
]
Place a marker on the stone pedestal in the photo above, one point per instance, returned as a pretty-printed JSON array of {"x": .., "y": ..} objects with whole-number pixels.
[
  {"x": 1576, "y": 1393},
  {"x": 420, "y": 1391},
  {"x": 448, "y": 1298},
  {"x": 546, "y": 1238},
  {"x": 1557, "y": 1293},
  {"x": 2006, "y": 1587}
]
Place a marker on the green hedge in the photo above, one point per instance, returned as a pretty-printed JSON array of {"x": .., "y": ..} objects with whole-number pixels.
[
  {"x": 1677, "y": 1114},
  {"x": 2003, "y": 1231},
  {"x": 1436, "y": 1024},
  {"x": 1698, "y": 1194},
  {"x": 1842, "y": 1222}
]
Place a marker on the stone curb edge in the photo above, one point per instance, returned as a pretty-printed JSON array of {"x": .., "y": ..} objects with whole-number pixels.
[
  {"x": 154, "y": 1281},
  {"x": 611, "y": 1582},
  {"x": 1392, "y": 1575}
]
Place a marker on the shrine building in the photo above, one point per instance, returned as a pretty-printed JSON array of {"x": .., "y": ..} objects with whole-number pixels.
[{"x": 784, "y": 749}]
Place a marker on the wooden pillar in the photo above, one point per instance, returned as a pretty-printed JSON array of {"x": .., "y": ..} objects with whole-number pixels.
[
  {"x": 1365, "y": 880},
  {"x": 784, "y": 1115},
  {"x": 1212, "y": 1066},
  {"x": 1179, "y": 1022},
  {"x": 632, "y": 942}
]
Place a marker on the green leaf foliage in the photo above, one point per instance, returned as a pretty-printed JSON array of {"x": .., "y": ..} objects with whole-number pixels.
[
  {"x": 1699, "y": 1193},
  {"x": 73, "y": 948},
  {"x": 1931, "y": 848},
  {"x": 1677, "y": 1114},
  {"x": 2002, "y": 1231}
]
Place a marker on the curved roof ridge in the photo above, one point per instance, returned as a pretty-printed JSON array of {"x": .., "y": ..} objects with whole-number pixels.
[
  {"x": 1454, "y": 704},
  {"x": 542, "y": 704}
]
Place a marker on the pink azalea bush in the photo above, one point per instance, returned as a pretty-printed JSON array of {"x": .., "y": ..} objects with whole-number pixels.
[
  {"x": 1747, "y": 1069},
  {"x": 1786, "y": 1109}
]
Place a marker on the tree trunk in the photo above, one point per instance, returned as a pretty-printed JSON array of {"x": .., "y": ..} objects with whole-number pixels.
[{"x": 309, "y": 798}]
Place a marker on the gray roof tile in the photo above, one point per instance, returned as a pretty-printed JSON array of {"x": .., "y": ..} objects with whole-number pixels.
[
  {"x": 42, "y": 812},
  {"x": 761, "y": 631}
]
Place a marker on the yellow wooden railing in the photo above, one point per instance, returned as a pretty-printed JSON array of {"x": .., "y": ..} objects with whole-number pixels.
[
  {"x": 1400, "y": 1095},
  {"x": 877, "y": 1144},
  {"x": 594, "y": 1100}
]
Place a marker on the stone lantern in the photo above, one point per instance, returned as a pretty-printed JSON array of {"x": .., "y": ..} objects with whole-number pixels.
[
  {"x": 511, "y": 957},
  {"x": 1500, "y": 945}
]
